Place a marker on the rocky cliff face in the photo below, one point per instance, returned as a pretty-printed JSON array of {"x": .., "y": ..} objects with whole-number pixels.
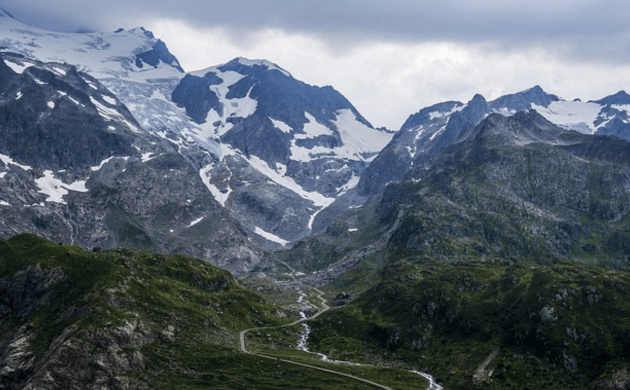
[
  {"x": 518, "y": 188},
  {"x": 78, "y": 168},
  {"x": 307, "y": 144}
]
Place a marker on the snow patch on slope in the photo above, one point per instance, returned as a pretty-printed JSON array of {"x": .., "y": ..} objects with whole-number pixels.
[
  {"x": 281, "y": 126},
  {"x": 358, "y": 137},
  {"x": 287, "y": 182},
  {"x": 17, "y": 68},
  {"x": 269, "y": 236},
  {"x": 359, "y": 142},
  {"x": 217, "y": 194},
  {"x": 99, "y": 166},
  {"x": 55, "y": 189},
  {"x": 313, "y": 129},
  {"x": 240, "y": 107},
  {"x": 196, "y": 221},
  {"x": 441, "y": 114},
  {"x": 9, "y": 161},
  {"x": 573, "y": 115}
]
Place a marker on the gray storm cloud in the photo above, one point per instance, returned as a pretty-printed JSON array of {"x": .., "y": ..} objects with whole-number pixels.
[{"x": 585, "y": 27}]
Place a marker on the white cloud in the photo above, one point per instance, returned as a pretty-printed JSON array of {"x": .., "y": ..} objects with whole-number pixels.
[
  {"x": 389, "y": 58},
  {"x": 388, "y": 81}
]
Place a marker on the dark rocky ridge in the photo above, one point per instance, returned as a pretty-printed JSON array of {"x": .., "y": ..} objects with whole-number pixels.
[{"x": 67, "y": 136}]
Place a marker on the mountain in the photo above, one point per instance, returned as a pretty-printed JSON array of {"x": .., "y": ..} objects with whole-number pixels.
[
  {"x": 271, "y": 150},
  {"x": 425, "y": 133},
  {"x": 518, "y": 188},
  {"x": 305, "y": 145},
  {"x": 506, "y": 253},
  {"x": 77, "y": 166},
  {"x": 269, "y": 159},
  {"x": 515, "y": 188},
  {"x": 485, "y": 242}
]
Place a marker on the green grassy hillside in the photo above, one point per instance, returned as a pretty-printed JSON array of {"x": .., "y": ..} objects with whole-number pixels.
[
  {"x": 565, "y": 326},
  {"x": 126, "y": 319}
]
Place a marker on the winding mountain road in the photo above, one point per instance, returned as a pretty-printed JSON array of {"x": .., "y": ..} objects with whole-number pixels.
[{"x": 325, "y": 307}]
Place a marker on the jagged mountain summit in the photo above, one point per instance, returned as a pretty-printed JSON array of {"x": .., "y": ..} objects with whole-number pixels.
[
  {"x": 309, "y": 143},
  {"x": 428, "y": 131}
]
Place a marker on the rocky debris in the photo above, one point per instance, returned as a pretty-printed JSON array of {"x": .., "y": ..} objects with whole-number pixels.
[
  {"x": 167, "y": 335},
  {"x": 28, "y": 290},
  {"x": 569, "y": 362},
  {"x": 93, "y": 359},
  {"x": 17, "y": 361},
  {"x": 324, "y": 276},
  {"x": 419, "y": 344},
  {"x": 619, "y": 381},
  {"x": 575, "y": 336},
  {"x": 482, "y": 373},
  {"x": 592, "y": 295},
  {"x": 342, "y": 299},
  {"x": 548, "y": 314}
]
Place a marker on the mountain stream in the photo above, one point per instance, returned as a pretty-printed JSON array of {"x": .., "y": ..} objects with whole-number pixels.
[{"x": 302, "y": 344}]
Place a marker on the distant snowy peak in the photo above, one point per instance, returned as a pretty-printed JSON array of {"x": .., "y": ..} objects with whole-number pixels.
[
  {"x": 243, "y": 66},
  {"x": 523, "y": 100},
  {"x": 431, "y": 129},
  {"x": 430, "y": 113},
  {"x": 606, "y": 116},
  {"x": 133, "y": 54},
  {"x": 260, "y": 109}
]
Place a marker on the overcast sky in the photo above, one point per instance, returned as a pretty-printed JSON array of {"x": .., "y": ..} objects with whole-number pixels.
[{"x": 390, "y": 58}]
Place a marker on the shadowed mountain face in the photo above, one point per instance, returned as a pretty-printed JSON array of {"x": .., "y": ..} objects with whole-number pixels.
[
  {"x": 518, "y": 188},
  {"x": 54, "y": 120},
  {"x": 77, "y": 167}
]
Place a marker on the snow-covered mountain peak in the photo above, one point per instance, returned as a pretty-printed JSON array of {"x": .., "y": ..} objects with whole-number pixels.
[
  {"x": 128, "y": 54},
  {"x": 263, "y": 63},
  {"x": 243, "y": 66},
  {"x": 309, "y": 143}
]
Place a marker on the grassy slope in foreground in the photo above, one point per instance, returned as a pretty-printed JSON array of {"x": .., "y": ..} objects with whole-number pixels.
[
  {"x": 563, "y": 326},
  {"x": 129, "y": 319}
]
